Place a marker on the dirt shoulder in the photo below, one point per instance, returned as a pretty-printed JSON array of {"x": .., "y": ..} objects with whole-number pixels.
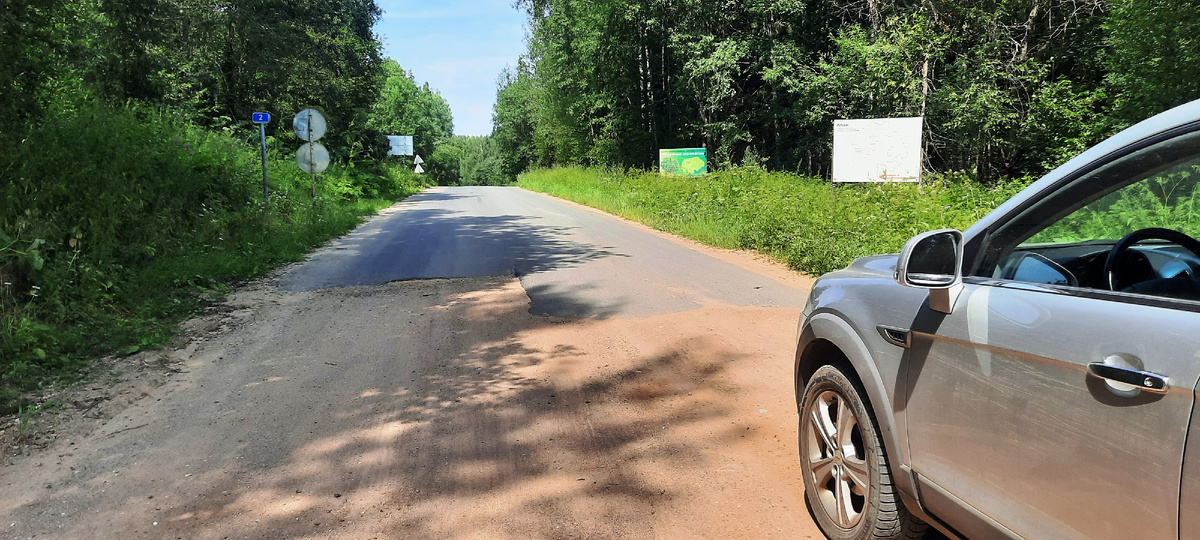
[{"x": 427, "y": 409}]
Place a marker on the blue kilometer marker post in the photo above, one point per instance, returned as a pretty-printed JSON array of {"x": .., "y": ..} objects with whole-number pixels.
[{"x": 262, "y": 119}]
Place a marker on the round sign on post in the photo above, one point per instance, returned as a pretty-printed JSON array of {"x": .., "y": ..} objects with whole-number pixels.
[
  {"x": 312, "y": 158},
  {"x": 309, "y": 125}
]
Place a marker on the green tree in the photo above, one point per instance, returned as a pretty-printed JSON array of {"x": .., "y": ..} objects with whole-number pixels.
[
  {"x": 1155, "y": 55},
  {"x": 1007, "y": 88},
  {"x": 404, "y": 108},
  {"x": 467, "y": 161},
  {"x": 39, "y": 42},
  {"x": 513, "y": 121}
]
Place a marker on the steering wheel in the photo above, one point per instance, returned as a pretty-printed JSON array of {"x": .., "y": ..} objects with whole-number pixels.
[{"x": 1123, "y": 245}]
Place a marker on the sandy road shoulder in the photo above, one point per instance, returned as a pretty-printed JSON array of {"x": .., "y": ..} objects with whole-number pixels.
[{"x": 438, "y": 408}]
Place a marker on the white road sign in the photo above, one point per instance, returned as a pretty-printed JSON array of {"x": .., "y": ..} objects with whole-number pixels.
[
  {"x": 401, "y": 145},
  {"x": 418, "y": 170},
  {"x": 309, "y": 122},
  {"x": 312, "y": 158},
  {"x": 418, "y": 160},
  {"x": 877, "y": 150}
]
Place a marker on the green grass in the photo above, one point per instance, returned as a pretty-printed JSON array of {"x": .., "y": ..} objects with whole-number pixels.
[
  {"x": 801, "y": 221},
  {"x": 49, "y": 338},
  {"x": 121, "y": 222},
  {"x": 1168, "y": 200}
]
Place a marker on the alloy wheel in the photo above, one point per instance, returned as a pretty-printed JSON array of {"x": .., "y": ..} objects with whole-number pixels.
[{"x": 837, "y": 459}]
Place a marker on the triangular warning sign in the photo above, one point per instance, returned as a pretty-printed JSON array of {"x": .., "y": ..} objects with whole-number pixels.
[
  {"x": 418, "y": 170},
  {"x": 418, "y": 160}
]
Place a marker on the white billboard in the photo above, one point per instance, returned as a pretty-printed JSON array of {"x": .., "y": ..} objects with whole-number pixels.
[
  {"x": 877, "y": 150},
  {"x": 401, "y": 145}
]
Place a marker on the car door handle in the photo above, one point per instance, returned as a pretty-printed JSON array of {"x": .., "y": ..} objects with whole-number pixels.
[{"x": 1150, "y": 382}]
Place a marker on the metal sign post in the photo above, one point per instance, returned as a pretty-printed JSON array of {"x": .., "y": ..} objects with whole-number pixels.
[
  {"x": 312, "y": 157},
  {"x": 262, "y": 119},
  {"x": 312, "y": 171}
]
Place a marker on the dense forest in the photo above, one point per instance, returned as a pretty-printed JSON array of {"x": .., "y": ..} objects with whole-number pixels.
[
  {"x": 1007, "y": 88},
  {"x": 131, "y": 188},
  {"x": 467, "y": 161},
  {"x": 212, "y": 63}
]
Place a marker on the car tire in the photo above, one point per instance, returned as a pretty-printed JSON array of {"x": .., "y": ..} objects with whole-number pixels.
[{"x": 847, "y": 482}]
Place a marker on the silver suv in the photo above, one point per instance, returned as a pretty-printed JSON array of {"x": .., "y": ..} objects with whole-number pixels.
[{"x": 1032, "y": 377}]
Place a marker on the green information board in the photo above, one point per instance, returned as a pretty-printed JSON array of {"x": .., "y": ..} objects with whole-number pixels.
[{"x": 683, "y": 161}]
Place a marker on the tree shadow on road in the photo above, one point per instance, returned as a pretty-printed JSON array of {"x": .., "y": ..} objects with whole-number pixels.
[
  {"x": 516, "y": 430},
  {"x": 434, "y": 195},
  {"x": 438, "y": 243}
]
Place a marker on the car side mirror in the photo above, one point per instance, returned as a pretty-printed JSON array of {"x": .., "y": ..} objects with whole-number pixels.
[{"x": 933, "y": 261}]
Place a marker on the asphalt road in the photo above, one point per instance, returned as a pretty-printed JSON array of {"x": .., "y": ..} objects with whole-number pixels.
[
  {"x": 572, "y": 261},
  {"x": 406, "y": 382}
]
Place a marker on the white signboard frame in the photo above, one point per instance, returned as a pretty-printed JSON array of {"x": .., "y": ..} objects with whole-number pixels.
[
  {"x": 401, "y": 145},
  {"x": 877, "y": 150}
]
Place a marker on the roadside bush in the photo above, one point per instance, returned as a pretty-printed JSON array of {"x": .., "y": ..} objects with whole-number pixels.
[
  {"x": 805, "y": 222},
  {"x": 116, "y": 221}
]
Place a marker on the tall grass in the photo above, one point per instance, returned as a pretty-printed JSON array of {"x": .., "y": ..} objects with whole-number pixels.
[
  {"x": 117, "y": 222},
  {"x": 805, "y": 222},
  {"x": 1170, "y": 200}
]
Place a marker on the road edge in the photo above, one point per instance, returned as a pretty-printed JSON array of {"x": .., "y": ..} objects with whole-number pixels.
[{"x": 759, "y": 263}]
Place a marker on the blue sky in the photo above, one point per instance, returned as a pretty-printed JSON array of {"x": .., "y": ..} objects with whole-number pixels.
[{"x": 459, "y": 46}]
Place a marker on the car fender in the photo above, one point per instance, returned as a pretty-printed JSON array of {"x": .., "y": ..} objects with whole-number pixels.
[{"x": 833, "y": 328}]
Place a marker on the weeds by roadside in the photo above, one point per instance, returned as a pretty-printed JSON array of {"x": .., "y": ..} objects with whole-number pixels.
[
  {"x": 23, "y": 422},
  {"x": 118, "y": 223},
  {"x": 27, "y": 415},
  {"x": 805, "y": 222}
]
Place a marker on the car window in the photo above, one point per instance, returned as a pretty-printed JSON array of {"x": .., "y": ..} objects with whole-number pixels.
[
  {"x": 1167, "y": 199},
  {"x": 1066, "y": 238}
]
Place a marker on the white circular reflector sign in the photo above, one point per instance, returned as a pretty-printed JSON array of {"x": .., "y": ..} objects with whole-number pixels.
[
  {"x": 309, "y": 122},
  {"x": 312, "y": 158}
]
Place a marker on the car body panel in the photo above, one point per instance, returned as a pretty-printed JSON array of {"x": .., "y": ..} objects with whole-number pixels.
[
  {"x": 968, "y": 522},
  {"x": 1189, "y": 489},
  {"x": 875, "y": 360},
  {"x": 1002, "y": 412}
]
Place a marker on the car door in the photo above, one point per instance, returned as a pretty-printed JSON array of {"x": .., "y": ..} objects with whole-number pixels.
[{"x": 1010, "y": 432}]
